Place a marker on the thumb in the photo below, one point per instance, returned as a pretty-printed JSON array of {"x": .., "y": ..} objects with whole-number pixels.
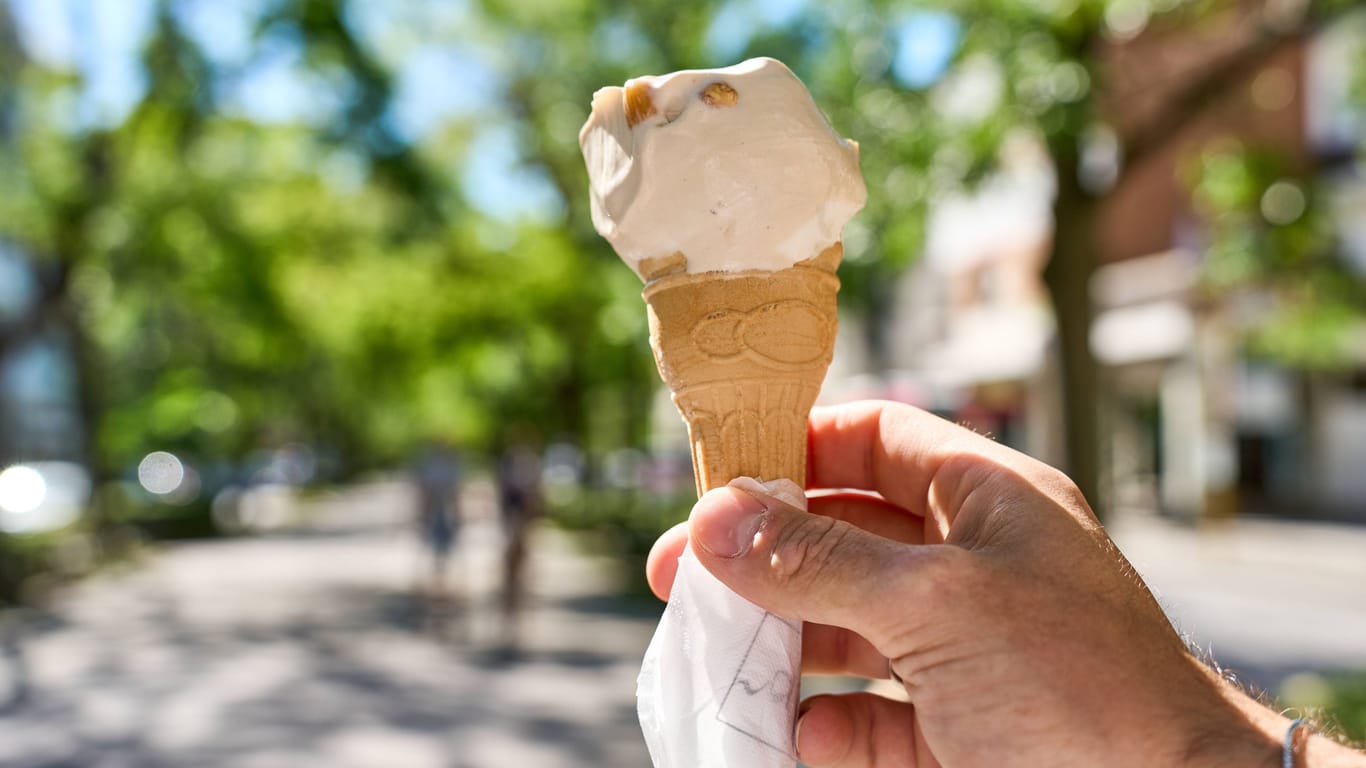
[{"x": 794, "y": 563}]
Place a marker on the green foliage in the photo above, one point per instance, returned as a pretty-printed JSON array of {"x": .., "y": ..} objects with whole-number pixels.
[
  {"x": 243, "y": 284},
  {"x": 23, "y": 556},
  {"x": 1272, "y": 246},
  {"x": 1337, "y": 701},
  {"x": 1348, "y": 707}
]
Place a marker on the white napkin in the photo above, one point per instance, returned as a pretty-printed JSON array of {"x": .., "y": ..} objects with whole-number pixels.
[{"x": 720, "y": 681}]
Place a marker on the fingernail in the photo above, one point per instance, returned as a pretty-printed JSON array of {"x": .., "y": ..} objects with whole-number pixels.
[{"x": 725, "y": 521}]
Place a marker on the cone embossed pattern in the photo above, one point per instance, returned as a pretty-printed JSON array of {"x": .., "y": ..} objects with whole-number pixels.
[{"x": 744, "y": 354}]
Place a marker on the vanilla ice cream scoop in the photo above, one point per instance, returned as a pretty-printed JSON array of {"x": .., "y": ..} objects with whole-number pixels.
[{"x": 718, "y": 170}]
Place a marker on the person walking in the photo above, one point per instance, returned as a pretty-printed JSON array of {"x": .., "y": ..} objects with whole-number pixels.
[
  {"x": 520, "y": 506},
  {"x": 436, "y": 476}
]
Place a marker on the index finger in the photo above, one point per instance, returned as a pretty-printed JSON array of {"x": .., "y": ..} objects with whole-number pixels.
[{"x": 902, "y": 452}]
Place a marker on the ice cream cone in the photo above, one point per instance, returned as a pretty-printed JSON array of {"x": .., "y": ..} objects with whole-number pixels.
[{"x": 744, "y": 354}]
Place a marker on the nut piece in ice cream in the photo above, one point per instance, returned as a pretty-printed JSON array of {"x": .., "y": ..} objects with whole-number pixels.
[
  {"x": 719, "y": 94},
  {"x": 638, "y": 103},
  {"x": 663, "y": 266}
]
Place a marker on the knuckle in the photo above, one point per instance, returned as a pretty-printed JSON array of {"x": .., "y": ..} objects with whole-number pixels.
[
  {"x": 805, "y": 548},
  {"x": 959, "y": 474},
  {"x": 966, "y": 476},
  {"x": 964, "y": 468},
  {"x": 1059, "y": 487}
]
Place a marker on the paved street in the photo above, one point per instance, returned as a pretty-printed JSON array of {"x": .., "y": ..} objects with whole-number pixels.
[
  {"x": 1268, "y": 598},
  {"x": 312, "y": 648}
]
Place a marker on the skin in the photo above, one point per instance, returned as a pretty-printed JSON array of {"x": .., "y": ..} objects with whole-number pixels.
[{"x": 1022, "y": 635}]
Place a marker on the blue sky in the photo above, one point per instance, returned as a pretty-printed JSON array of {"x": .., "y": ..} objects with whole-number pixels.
[
  {"x": 98, "y": 37},
  {"x": 925, "y": 42},
  {"x": 101, "y": 39}
]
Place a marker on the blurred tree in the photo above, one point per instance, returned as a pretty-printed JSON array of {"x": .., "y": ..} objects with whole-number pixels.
[
  {"x": 12, "y": 62},
  {"x": 231, "y": 283},
  {"x": 1274, "y": 249},
  {"x": 520, "y": 326}
]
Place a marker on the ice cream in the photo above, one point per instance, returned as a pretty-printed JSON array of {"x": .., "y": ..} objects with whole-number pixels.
[
  {"x": 735, "y": 168},
  {"x": 727, "y": 191}
]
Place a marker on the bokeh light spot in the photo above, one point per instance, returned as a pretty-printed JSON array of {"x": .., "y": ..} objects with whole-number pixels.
[
  {"x": 22, "y": 489},
  {"x": 1068, "y": 82},
  {"x": 1283, "y": 203},
  {"x": 1126, "y": 19},
  {"x": 160, "y": 473}
]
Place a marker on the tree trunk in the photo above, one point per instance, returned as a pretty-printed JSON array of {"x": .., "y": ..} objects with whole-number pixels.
[
  {"x": 70, "y": 249},
  {"x": 90, "y": 408},
  {"x": 1068, "y": 277}
]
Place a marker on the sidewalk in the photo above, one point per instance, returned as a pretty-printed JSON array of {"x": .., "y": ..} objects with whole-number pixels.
[
  {"x": 1268, "y": 598},
  {"x": 311, "y": 649}
]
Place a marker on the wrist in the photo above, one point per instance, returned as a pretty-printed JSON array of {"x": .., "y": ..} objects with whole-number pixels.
[
  {"x": 1318, "y": 751},
  {"x": 1233, "y": 729},
  {"x": 1240, "y": 731}
]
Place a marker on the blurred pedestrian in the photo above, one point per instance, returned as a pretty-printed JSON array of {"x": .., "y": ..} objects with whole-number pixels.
[
  {"x": 520, "y": 505},
  {"x": 436, "y": 475}
]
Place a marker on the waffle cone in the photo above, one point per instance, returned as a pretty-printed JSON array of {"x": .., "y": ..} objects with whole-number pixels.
[{"x": 744, "y": 354}]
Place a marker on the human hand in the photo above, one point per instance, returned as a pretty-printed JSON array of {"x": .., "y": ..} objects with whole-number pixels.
[{"x": 1022, "y": 635}]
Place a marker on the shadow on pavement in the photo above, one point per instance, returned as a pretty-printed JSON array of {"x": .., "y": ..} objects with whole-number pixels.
[{"x": 222, "y": 669}]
